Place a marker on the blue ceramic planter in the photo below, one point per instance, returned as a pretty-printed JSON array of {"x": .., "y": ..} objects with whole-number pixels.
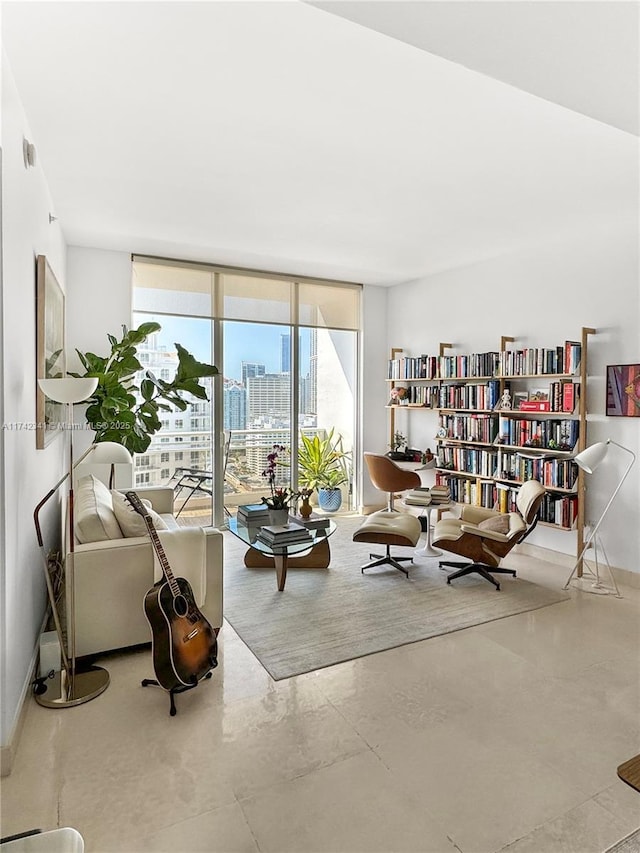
[{"x": 330, "y": 500}]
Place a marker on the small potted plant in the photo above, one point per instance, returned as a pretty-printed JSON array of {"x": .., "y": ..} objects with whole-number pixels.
[
  {"x": 399, "y": 442},
  {"x": 279, "y": 500}
]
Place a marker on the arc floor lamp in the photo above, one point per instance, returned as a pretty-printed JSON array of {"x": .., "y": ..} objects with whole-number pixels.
[
  {"x": 72, "y": 685},
  {"x": 589, "y": 460}
]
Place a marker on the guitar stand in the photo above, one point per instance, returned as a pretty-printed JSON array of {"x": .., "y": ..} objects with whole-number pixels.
[{"x": 174, "y": 690}]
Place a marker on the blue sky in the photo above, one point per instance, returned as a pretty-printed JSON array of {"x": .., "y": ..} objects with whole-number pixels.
[{"x": 243, "y": 342}]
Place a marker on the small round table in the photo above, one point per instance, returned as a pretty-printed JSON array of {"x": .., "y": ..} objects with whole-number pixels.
[{"x": 429, "y": 550}]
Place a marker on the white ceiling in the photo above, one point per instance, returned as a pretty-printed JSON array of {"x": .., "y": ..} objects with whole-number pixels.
[
  {"x": 279, "y": 136},
  {"x": 581, "y": 55}
]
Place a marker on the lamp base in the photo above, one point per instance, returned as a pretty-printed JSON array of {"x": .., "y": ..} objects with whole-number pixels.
[
  {"x": 586, "y": 584},
  {"x": 87, "y": 685}
]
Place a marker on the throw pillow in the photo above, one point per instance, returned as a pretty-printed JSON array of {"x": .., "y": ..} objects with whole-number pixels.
[
  {"x": 131, "y": 522},
  {"x": 94, "y": 518},
  {"x": 497, "y": 524}
]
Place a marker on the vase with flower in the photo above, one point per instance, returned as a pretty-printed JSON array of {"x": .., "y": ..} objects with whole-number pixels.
[
  {"x": 281, "y": 497},
  {"x": 305, "y": 509}
]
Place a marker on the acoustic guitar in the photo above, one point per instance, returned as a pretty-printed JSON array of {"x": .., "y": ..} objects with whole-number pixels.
[{"x": 184, "y": 645}]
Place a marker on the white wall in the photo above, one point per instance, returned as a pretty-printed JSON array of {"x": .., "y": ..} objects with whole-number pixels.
[
  {"x": 28, "y": 473},
  {"x": 99, "y": 299},
  {"x": 542, "y": 298},
  {"x": 374, "y": 356}
]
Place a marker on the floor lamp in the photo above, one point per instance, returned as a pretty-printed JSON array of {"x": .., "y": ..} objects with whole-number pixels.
[
  {"x": 71, "y": 686},
  {"x": 589, "y": 460}
]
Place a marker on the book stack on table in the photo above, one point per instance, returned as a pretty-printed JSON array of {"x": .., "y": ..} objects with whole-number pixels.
[
  {"x": 419, "y": 497},
  {"x": 313, "y": 522},
  {"x": 253, "y": 515},
  {"x": 279, "y": 535},
  {"x": 440, "y": 494}
]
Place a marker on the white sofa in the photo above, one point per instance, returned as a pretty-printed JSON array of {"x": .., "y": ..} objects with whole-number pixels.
[{"x": 112, "y": 576}]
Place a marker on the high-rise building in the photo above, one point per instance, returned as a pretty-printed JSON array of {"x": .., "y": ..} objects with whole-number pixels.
[
  {"x": 251, "y": 369},
  {"x": 285, "y": 353},
  {"x": 235, "y": 405},
  {"x": 269, "y": 398},
  {"x": 312, "y": 385},
  {"x": 185, "y": 437}
]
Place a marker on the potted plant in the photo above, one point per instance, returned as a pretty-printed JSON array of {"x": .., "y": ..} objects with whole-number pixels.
[
  {"x": 322, "y": 465},
  {"x": 399, "y": 442},
  {"x": 281, "y": 497},
  {"x": 119, "y": 410}
]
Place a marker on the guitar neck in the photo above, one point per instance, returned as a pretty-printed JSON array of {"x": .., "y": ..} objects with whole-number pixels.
[{"x": 162, "y": 557}]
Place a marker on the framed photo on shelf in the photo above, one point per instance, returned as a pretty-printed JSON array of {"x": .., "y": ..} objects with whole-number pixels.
[
  {"x": 623, "y": 391},
  {"x": 520, "y": 397},
  {"x": 50, "y": 357},
  {"x": 540, "y": 395}
]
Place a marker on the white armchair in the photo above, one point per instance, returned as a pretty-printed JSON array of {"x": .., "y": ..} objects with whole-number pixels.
[{"x": 112, "y": 576}]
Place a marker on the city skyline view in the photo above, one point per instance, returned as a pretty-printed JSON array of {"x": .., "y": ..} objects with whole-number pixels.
[{"x": 248, "y": 342}]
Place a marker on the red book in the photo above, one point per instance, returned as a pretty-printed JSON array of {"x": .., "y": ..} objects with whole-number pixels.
[
  {"x": 568, "y": 397},
  {"x": 535, "y": 406}
]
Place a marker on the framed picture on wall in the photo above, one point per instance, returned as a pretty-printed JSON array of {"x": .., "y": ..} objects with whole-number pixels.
[
  {"x": 50, "y": 357},
  {"x": 623, "y": 390}
]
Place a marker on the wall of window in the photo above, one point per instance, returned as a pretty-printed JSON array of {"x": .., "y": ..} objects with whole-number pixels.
[{"x": 286, "y": 348}]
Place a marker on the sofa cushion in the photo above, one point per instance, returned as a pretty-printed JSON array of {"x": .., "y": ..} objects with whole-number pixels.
[
  {"x": 94, "y": 518},
  {"x": 131, "y": 522}
]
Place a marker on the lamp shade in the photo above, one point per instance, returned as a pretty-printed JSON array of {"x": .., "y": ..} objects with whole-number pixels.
[
  {"x": 590, "y": 458},
  {"x": 68, "y": 389},
  {"x": 110, "y": 453}
]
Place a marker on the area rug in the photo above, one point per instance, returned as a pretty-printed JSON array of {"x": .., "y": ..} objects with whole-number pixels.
[
  {"x": 630, "y": 844},
  {"x": 327, "y": 616}
]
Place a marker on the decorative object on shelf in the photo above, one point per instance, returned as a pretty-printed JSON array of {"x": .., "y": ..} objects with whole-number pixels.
[
  {"x": 399, "y": 396},
  {"x": 397, "y": 453},
  {"x": 589, "y": 460},
  {"x": 114, "y": 411},
  {"x": 505, "y": 400},
  {"x": 72, "y": 685},
  {"x": 50, "y": 355},
  {"x": 623, "y": 390}
]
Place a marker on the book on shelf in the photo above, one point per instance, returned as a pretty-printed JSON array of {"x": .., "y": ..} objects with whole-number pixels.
[
  {"x": 572, "y": 356},
  {"x": 535, "y": 406},
  {"x": 568, "y": 391}
]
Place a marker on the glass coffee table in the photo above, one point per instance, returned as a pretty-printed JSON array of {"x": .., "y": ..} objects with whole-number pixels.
[{"x": 311, "y": 555}]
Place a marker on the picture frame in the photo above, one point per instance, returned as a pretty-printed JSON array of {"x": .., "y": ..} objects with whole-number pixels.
[
  {"x": 520, "y": 397},
  {"x": 50, "y": 354},
  {"x": 623, "y": 391}
]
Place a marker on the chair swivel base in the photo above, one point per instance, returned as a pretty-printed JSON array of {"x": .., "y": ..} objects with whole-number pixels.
[
  {"x": 478, "y": 568},
  {"x": 387, "y": 559}
]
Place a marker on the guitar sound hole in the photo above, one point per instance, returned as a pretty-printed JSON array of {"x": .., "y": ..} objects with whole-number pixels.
[{"x": 180, "y": 605}]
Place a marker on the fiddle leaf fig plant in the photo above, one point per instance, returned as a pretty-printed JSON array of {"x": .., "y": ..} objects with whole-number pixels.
[{"x": 119, "y": 410}]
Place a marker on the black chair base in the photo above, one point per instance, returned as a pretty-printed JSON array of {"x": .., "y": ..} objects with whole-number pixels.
[
  {"x": 478, "y": 568},
  {"x": 387, "y": 559}
]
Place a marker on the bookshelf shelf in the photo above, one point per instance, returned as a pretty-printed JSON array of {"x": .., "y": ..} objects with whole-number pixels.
[{"x": 467, "y": 393}]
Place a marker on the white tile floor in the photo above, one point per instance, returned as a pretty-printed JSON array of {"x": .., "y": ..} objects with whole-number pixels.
[{"x": 501, "y": 737}]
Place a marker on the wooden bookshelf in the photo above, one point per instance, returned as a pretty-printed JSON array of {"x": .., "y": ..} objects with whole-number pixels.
[{"x": 483, "y": 447}]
